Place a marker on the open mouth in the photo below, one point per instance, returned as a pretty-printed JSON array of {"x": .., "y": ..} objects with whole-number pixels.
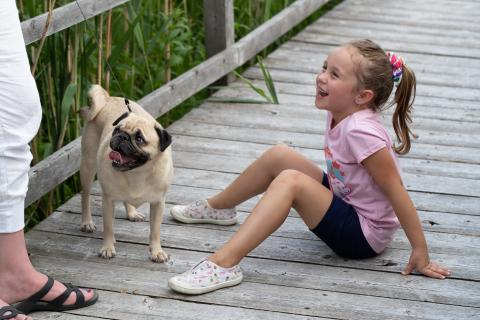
[
  {"x": 123, "y": 162},
  {"x": 322, "y": 93}
]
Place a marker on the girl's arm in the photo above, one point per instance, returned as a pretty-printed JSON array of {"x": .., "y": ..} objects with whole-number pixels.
[{"x": 381, "y": 167}]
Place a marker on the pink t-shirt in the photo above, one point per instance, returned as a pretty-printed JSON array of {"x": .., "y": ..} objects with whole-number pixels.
[{"x": 351, "y": 141}]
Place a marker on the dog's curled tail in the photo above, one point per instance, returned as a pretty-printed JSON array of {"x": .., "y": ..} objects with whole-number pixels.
[{"x": 97, "y": 98}]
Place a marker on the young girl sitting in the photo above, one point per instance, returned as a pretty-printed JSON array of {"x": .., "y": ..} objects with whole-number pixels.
[{"x": 357, "y": 206}]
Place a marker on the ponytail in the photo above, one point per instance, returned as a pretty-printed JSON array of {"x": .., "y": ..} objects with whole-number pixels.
[
  {"x": 402, "y": 116},
  {"x": 382, "y": 72}
]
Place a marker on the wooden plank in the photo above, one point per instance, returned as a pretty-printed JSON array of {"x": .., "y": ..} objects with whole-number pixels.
[
  {"x": 303, "y": 69},
  {"x": 423, "y": 90},
  {"x": 314, "y": 126},
  {"x": 410, "y": 35},
  {"x": 65, "y": 17},
  {"x": 304, "y": 143},
  {"x": 415, "y": 44},
  {"x": 134, "y": 293},
  {"x": 219, "y": 30},
  {"x": 327, "y": 24},
  {"x": 440, "y": 103},
  {"x": 423, "y": 200},
  {"x": 295, "y": 228},
  {"x": 419, "y": 61},
  {"x": 462, "y": 261},
  {"x": 61, "y": 316},
  {"x": 437, "y": 23},
  {"x": 363, "y": 282},
  {"x": 53, "y": 170},
  {"x": 447, "y": 221},
  {"x": 279, "y": 300},
  {"x": 447, "y": 64},
  {"x": 414, "y": 181},
  {"x": 463, "y": 12},
  {"x": 314, "y": 140},
  {"x": 442, "y": 222},
  {"x": 173, "y": 93}
]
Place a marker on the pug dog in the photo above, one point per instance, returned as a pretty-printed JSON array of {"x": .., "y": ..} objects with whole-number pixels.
[{"x": 130, "y": 153}]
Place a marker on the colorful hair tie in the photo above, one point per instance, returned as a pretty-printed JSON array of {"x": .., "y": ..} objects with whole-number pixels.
[{"x": 397, "y": 66}]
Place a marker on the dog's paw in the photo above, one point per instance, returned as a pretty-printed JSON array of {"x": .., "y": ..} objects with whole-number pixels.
[
  {"x": 136, "y": 216},
  {"x": 158, "y": 255},
  {"x": 107, "y": 252},
  {"x": 88, "y": 227}
]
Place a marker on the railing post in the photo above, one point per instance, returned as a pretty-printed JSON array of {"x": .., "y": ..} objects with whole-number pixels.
[{"x": 219, "y": 29}]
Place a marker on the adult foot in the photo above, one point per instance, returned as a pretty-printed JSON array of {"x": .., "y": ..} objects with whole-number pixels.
[
  {"x": 10, "y": 313},
  {"x": 16, "y": 288}
]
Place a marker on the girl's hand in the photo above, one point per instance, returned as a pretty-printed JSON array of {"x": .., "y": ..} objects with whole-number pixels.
[{"x": 420, "y": 261}]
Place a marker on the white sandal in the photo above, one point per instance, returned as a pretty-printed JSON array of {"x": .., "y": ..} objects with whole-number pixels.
[
  {"x": 201, "y": 212},
  {"x": 206, "y": 276}
]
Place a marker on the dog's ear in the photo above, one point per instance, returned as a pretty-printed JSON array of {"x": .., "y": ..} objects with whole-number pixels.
[
  {"x": 97, "y": 99},
  {"x": 165, "y": 139}
]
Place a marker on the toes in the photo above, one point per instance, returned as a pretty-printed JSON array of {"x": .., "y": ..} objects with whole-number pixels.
[
  {"x": 136, "y": 217},
  {"x": 107, "y": 252},
  {"x": 159, "y": 256},
  {"x": 88, "y": 227}
]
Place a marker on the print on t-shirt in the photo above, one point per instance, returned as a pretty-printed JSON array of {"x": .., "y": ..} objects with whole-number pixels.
[{"x": 336, "y": 177}]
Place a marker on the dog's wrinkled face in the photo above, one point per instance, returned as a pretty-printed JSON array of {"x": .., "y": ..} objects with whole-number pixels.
[{"x": 135, "y": 141}]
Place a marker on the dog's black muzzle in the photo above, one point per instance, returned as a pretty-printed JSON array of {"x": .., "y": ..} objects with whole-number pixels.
[{"x": 128, "y": 156}]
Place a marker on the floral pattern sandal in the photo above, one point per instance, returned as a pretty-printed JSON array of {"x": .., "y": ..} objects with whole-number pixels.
[
  {"x": 206, "y": 276},
  {"x": 201, "y": 212}
]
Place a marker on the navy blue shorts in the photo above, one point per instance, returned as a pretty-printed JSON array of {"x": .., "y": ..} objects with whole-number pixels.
[{"x": 340, "y": 229}]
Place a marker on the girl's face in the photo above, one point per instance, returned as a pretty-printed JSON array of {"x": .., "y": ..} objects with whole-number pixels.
[{"x": 337, "y": 85}]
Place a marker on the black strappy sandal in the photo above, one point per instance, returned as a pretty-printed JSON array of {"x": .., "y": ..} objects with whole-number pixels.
[
  {"x": 34, "y": 303},
  {"x": 9, "y": 312}
]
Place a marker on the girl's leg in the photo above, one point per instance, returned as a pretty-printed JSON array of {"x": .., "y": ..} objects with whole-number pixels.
[
  {"x": 19, "y": 279},
  {"x": 291, "y": 188},
  {"x": 258, "y": 176}
]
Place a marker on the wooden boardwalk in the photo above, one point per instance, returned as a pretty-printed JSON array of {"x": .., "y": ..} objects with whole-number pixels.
[{"x": 293, "y": 275}]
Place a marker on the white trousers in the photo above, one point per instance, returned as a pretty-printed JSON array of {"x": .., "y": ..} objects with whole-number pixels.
[{"x": 20, "y": 115}]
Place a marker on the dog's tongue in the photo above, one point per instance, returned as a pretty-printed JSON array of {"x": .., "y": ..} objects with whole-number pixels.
[{"x": 115, "y": 156}]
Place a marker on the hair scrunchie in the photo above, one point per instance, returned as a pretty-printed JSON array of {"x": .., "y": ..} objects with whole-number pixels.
[{"x": 397, "y": 66}]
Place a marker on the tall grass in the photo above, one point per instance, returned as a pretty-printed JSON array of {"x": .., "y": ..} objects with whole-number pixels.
[{"x": 130, "y": 50}]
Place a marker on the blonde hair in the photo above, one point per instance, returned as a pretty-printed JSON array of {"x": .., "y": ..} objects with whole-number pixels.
[{"x": 374, "y": 72}]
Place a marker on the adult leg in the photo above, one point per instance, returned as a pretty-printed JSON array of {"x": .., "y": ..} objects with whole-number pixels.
[
  {"x": 291, "y": 188},
  {"x": 19, "y": 120},
  {"x": 258, "y": 176},
  {"x": 19, "y": 279}
]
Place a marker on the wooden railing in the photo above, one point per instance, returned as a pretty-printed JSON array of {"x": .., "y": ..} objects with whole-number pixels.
[{"x": 223, "y": 55}]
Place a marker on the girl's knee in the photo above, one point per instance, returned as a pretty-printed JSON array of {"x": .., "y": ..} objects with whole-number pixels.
[
  {"x": 290, "y": 179},
  {"x": 277, "y": 152}
]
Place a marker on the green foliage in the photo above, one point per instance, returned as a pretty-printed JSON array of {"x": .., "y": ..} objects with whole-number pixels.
[
  {"x": 268, "y": 81},
  {"x": 147, "y": 46}
]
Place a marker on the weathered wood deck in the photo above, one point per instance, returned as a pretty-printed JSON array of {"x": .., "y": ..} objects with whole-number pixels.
[{"x": 293, "y": 275}]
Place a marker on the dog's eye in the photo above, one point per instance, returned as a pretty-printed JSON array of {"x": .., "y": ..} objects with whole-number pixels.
[{"x": 139, "y": 139}]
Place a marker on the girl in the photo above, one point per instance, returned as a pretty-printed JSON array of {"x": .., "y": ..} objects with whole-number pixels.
[{"x": 356, "y": 206}]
